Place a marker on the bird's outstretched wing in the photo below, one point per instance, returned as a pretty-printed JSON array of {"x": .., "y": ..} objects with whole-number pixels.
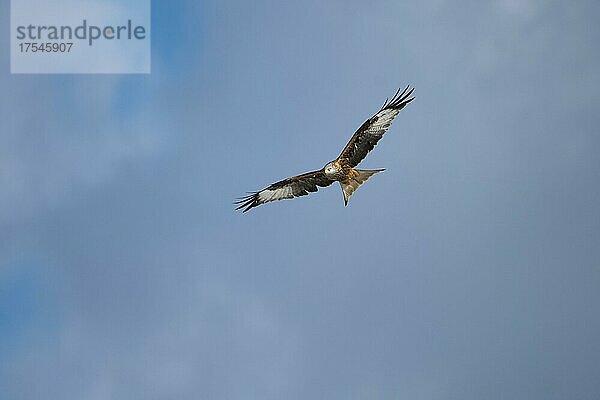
[
  {"x": 367, "y": 136},
  {"x": 288, "y": 188}
]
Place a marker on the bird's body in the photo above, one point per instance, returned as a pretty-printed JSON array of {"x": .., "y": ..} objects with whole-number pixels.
[
  {"x": 342, "y": 169},
  {"x": 336, "y": 169}
]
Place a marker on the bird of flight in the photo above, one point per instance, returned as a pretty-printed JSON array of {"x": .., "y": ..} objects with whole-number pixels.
[{"x": 342, "y": 168}]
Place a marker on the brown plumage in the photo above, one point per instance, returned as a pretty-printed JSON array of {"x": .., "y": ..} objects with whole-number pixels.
[{"x": 342, "y": 168}]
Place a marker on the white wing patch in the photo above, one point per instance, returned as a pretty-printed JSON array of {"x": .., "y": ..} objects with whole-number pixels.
[
  {"x": 267, "y": 195},
  {"x": 383, "y": 122}
]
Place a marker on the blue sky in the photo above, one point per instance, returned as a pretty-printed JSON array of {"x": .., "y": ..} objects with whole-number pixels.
[{"x": 467, "y": 270}]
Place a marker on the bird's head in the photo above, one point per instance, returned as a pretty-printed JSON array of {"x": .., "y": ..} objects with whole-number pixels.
[{"x": 330, "y": 168}]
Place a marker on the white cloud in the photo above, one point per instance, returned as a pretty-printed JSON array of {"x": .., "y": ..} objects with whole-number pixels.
[
  {"x": 47, "y": 153},
  {"x": 523, "y": 9},
  {"x": 207, "y": 329}
]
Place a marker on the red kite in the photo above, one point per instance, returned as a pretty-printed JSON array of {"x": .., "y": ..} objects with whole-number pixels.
[{"x": 342, "y": 168}]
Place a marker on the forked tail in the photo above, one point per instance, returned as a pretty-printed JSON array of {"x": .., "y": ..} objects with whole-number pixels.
[{"x": 356, "y": 178}]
